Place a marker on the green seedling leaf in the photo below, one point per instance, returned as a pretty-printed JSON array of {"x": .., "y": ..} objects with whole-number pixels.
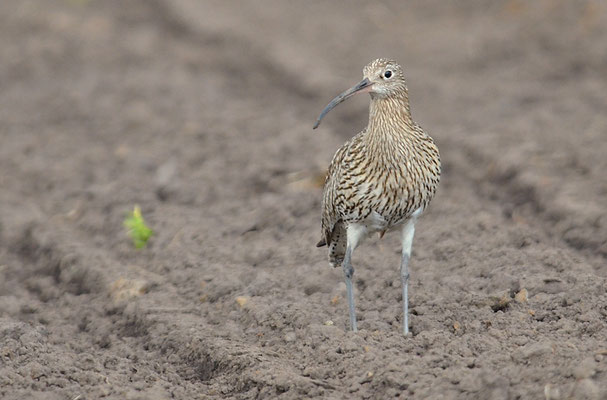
[{"x": 138, "y": 230}]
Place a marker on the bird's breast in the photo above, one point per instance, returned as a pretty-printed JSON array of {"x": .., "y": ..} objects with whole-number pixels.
[{"x": 386, "y": 191}]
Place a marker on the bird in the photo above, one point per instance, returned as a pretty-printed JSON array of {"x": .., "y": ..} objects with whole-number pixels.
[{"x": 380, "y": 180}]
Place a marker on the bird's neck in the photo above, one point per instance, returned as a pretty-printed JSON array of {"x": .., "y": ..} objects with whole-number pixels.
[{"x": 390, "y": 118}]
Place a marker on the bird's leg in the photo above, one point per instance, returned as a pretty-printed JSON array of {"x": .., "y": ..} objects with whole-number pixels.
[
  {"x": 408, "y": 231},
  {"x": 348, "y": 274}
]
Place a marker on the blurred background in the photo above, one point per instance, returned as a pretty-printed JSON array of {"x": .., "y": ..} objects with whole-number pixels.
[{"x": 201, "y": 112}]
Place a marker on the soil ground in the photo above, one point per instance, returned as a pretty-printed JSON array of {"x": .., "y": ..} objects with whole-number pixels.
[{"x": 201, "y": 113}]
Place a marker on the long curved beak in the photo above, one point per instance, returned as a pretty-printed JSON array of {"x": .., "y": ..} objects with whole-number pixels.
[{"x": 363, "y": 86}]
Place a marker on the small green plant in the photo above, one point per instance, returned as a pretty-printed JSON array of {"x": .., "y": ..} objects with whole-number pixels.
[{"x": 138, "y": 230}]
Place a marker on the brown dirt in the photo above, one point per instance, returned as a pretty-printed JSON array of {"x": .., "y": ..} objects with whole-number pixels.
[{"x": 201, "y": 112}]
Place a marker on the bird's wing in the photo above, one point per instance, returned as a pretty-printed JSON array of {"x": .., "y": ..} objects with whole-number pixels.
[{"x": 329, "y": 211}]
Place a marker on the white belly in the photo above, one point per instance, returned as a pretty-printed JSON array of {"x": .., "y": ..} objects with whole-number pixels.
[{"x": 375, "y": 222}]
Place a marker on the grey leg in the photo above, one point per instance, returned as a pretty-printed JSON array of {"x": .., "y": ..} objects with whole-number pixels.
[
  {"x": 408, "y": 232},
  {"x": 404, "y": 277},
  {"x": 348, "y": 274}
]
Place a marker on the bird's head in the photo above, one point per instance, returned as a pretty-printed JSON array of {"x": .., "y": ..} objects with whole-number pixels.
[
  {"x": 381, "y": 78},
  {"x": 386, "y": 78}
]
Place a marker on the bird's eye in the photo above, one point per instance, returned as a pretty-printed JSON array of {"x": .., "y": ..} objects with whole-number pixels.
[{"x": 387, "y": 74}]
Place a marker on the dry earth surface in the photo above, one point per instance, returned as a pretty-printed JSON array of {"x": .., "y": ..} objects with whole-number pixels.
[{"x": 201, "y": 113}]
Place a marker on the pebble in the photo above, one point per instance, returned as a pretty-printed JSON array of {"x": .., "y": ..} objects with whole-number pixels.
[
  {"x": 551, "y": 392},
  {"x": 533, "y": 350},
  {"x": 521, "y": 296},
  {"x": 241, "y": 300}
]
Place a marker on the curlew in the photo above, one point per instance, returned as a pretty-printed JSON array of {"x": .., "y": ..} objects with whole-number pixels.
[{"x": 381, "y": 179}]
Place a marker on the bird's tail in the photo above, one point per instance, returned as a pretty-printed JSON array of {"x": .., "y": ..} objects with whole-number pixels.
[{"x": 337, "y": 247}]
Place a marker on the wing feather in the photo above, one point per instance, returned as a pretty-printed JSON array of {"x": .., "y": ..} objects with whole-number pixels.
[{"x": 330, "y": 216}]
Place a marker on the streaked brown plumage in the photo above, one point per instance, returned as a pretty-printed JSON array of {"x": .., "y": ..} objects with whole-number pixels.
[{"x": 382, "y": 178}]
